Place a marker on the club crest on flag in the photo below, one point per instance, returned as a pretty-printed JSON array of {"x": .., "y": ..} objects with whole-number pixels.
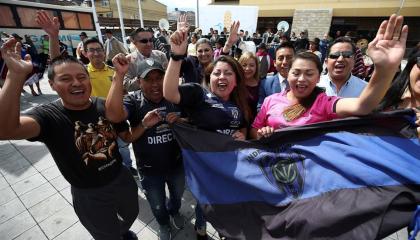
[{"x": 283, "y": 168}]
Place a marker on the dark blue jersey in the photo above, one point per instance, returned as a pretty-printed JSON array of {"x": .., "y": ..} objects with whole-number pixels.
[
  {"x": 156, "y": 151},
  {"x": 205, "y": 110},
  {"x": 191, "y": 70}
]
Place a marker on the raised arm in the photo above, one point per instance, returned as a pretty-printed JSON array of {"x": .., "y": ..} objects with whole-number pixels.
[
  {"x": 386, "y": 51},
  {"x": 114, "y": 108},
  {"x": 52, "y": 28},
  {"x": 233, "y": 37},
  {"x": 13, "y": 126},
  {"x": 178, "y": 41}
]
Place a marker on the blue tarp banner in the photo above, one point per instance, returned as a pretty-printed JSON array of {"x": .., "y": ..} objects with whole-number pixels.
[{"x": 355, "y": 178}]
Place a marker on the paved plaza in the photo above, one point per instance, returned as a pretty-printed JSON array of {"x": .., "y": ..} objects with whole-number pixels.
[{"x": 35, "y": 199}]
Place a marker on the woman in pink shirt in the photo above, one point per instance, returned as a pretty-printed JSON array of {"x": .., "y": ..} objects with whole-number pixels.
[{"x": 305, "y": 103}]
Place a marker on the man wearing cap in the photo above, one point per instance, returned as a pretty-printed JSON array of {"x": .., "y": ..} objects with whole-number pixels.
[
  {"x": 143, "y": 40},
  {"x": 112, "y": 47},
  {"x": 79, "y": 50},
  {"x": 157, "y": 153}
]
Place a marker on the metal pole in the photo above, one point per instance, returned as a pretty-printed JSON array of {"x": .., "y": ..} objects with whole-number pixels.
[
  {"x": 120, "y": 15},
  {"x": 95, "y": 19},
  {"x": 197, "y": 20},
  {"x": 140, "y": 15}
]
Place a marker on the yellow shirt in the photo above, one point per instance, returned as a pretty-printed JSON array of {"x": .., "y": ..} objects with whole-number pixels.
[{"x": 100, "y": 79}]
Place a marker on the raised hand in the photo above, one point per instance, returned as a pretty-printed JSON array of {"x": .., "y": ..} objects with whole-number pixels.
[
  {"x": 388, "y": 47},
  {"x": 178, "y": 39},
  {"x": 182, "y": 24},
  {"x": 50, "y": 26},
  {"x": 233, "y": 34},
  {"x": 121, "y": 63},
  {"x": 11, "y": 55}
]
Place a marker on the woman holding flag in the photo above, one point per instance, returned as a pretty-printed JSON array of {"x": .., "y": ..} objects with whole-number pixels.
[
  {"x": 305, "y": 103},
  {"x": 222, "y": 106}
]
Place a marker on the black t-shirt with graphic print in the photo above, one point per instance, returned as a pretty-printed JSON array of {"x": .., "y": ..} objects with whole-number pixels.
[
  {"x": 206, "y": 111},
  {"x": 156, "y": 151},
  {"x": 82, "y": 143}
]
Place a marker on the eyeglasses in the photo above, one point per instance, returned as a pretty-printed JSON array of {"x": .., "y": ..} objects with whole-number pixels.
[
  {"x": 345, "y": 54},
  {"x": 98, "y": 50},
  {"x": 145, "y": 40}
]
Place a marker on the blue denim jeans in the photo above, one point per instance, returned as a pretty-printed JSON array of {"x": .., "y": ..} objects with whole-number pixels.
[
  {"x": 125, "y": 152},
  {"x": 154, "y": 189}
]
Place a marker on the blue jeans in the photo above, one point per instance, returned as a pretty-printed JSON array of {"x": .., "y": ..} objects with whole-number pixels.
[
  {"x": 125, "y": 152},
  {"x": 154, "y": 189}
]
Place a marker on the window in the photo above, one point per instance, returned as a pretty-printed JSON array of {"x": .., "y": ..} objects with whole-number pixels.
[
  {"x": 85, "y": 20},
  {"x": 70, "y": 20},
  {"x": 105, "y": 3},
  {"x": 27, "y": 16},
  {"x": 6, "y": 17}
]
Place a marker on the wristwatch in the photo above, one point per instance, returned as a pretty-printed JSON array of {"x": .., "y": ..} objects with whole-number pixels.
[{"x": 177, "y": 57}]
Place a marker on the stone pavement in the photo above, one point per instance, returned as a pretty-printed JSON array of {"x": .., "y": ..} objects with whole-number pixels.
[{"x": 35, "y": 199}]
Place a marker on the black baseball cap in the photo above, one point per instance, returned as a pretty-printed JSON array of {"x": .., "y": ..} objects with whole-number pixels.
[
  {"x": 148, "y": 65},
  {"x": 16, "y": 36}
]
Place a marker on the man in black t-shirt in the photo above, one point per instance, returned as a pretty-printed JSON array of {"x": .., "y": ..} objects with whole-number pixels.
[
  {"x": 157, "y": 152},
  {"x": 81, "y": 140}
]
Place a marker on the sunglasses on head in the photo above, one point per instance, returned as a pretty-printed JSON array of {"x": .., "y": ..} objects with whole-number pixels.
[
  {"x": 345, "y": 54},
  {"x": 145, "y": 40}
]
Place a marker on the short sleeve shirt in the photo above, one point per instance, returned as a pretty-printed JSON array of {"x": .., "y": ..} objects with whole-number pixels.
[
  {"x": 206, "y": 111},
  {"x": 271, "y": 113},
  {"x": 156, "y": 151},
  {"x": 82, "y": 143},
  {"x": 101, "y": 80}
]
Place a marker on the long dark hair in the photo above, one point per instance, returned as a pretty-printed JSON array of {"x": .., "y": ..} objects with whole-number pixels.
[
  {"x": 399, "y": 85},
  {"x": 240, "y": 92}
]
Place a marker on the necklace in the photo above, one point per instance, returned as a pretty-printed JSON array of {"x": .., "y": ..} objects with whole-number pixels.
[{"x": 293, "y": 112}]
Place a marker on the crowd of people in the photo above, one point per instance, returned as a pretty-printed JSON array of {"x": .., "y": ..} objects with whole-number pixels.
[{"x": 118, "y": 96}]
